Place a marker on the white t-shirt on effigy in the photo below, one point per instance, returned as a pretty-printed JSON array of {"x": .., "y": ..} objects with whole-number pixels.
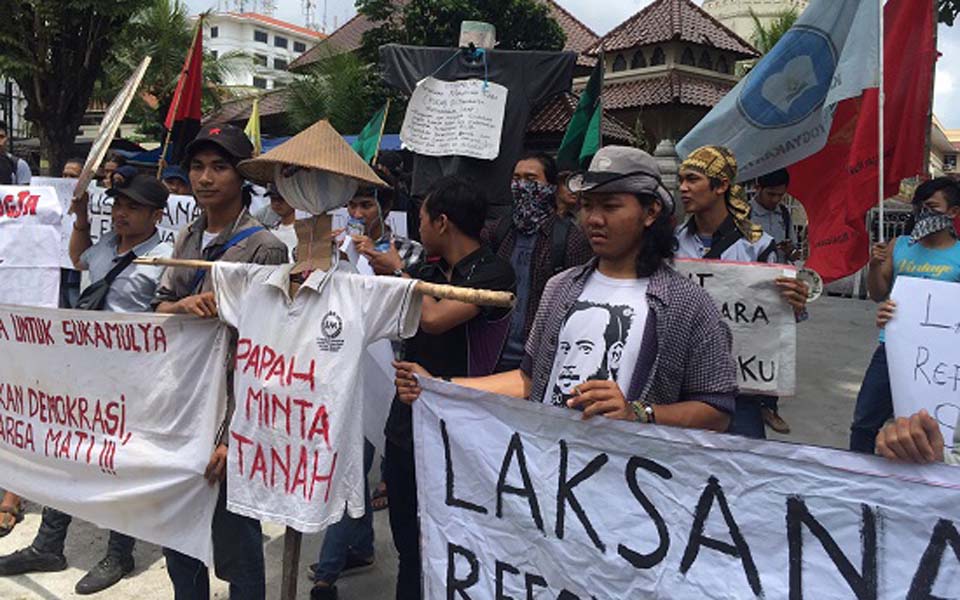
[
  {"x": 296, "y": 437},
  {"x": 601, "y": 337}
]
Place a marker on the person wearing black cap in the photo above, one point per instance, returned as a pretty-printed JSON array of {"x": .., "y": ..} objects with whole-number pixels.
[
  {"x": 225, "y": 231},
  {"x": 176, "y": 180},
  {"x": 118, "y": 286},
  {"x": 624, "y": 336}
]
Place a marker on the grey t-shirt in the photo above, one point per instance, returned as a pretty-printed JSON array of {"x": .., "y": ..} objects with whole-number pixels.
[{"x": 530, "y": 78}]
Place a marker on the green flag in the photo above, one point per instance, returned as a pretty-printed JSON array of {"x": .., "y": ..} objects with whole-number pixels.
[
  {"x": 583, "y": 137},
  {"x": 367, "y": 144}
]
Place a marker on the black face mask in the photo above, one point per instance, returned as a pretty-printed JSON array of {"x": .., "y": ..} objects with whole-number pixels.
[{"x": 929, "y": 221}]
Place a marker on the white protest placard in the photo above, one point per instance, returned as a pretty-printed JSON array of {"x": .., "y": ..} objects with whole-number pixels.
[
  {"x": 112, "y": 417},
  {"x": 923, "y": 351},
  {"x": 30, "y": 246},
  {"x": 763, "y": 325},
  {"x": 455, "y": 118},
  {"x": 64, "y": 187},
  {"x": 180, "y": 212},
  {"x": 537, "y": 503}
]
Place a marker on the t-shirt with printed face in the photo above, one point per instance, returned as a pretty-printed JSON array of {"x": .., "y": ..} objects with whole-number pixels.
[
  {"x": 601, "y": 337},
  {"x": 296, "y": 438}
]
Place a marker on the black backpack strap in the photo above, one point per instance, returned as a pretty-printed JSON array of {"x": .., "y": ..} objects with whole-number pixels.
[
  {"x": 558, "y": 244},
  {"x": 500, "y": 234},
  {"x": 764, "y": 256},
  {"x": 720, "y": 246},
  {"x": 787, "y": 221}
]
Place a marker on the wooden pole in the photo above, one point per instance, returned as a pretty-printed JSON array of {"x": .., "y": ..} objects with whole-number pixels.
[
  {"x": 291, "y": 564},
  {"x": 178, "y": 93},
  {"x": 437, "y": 290},
  {"x": 928, "y": 147}
]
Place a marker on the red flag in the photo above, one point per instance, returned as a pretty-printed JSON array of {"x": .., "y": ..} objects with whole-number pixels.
[
  {"x": 838, "y": 185},
  {"x": 183, "y": 118}
]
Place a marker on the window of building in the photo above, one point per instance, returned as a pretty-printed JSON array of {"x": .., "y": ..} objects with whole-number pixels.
[
  {"x": 722, "y": 65},
  {"x": 299, "y": 47},
  {"x": 658, "y": 58},
  {"x": 260, "y": 60},
  {"x": 639, "y": 61},
  {"x": 215, "y": 54},
  {"x": 279, "y": 64},
  {"x": 260, "y": 36},
  {"x": 214, "y": 32},
  {"x": 260, "y": 82},
  {"x": 950, "y": 162},
  {"x": 619, "y": 63},
  {"x": 705, "y": 62},
  {"x": 279, "y": 42},
  {"x": 687, "y": 57}
]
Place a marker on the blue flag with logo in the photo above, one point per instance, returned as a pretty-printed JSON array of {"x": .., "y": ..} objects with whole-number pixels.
[{"x": 781, "y": 112}]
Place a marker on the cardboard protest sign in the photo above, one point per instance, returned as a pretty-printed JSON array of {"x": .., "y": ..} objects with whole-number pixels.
[
  {"x": 112, "y": 417},
  {"x": 108, "y": 127},
  {"x": 923, "y": 351},
  {"x": 30, "y": 246},
  {"x": 447, "y": 118},
  {"x": 180, "y": 212},
  {"x": 538, "y": 503},
  {"x": 764, "y": 326}
]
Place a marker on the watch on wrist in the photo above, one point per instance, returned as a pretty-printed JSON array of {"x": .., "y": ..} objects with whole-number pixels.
[{"x": 398, "y": 272}]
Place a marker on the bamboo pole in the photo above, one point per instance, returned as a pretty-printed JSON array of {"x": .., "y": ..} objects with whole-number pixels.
[
  {"x": 291, "y": 564},
  {"x": 437, "y": 290},
  {"x": 178, "y": 93}
]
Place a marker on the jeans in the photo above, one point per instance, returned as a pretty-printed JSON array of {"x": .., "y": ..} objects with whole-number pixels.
[
  {"x": 237, "y": 559},
  {"x": 349, "y": 537},
  {"x": 747, "y": 419},
  {"x": 401, "y": 479},
  {"x": 53, "y": 533},
  {"x": 874, "y": 404}
]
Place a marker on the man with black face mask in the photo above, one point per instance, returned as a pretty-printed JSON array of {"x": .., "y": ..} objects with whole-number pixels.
[
  {"x": 537, "y": 242},
  {"x": 931, "y": 251}
]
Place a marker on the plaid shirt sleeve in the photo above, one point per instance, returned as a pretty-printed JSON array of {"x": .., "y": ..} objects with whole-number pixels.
[{"x": 710, "y": 376}]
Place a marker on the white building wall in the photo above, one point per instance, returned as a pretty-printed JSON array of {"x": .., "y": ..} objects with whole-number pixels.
[{"x": 735, "y": 14}]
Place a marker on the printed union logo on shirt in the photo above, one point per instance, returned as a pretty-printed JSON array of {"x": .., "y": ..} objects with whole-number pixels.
[
  {"x": 331, "y": 326},
  {"x": 789, "y": 85}
]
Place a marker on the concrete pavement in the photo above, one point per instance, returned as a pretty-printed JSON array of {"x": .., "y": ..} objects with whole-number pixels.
[{"x": 834, "y": 347}]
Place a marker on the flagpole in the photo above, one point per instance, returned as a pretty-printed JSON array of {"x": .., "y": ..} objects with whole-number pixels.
[
  {"x": 880, "y": 132},
  {"x": 383, "y": 125},
  {"x": 178, "y": 93}
]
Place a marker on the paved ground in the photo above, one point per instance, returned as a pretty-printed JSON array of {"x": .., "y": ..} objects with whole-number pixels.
[{"x": 834, "y": 349}]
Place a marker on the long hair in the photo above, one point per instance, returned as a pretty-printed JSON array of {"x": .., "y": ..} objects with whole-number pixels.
[{"x": 656, "y": 245}]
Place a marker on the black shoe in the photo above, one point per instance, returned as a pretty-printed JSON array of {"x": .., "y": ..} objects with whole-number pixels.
[
  {"x": 106, "y": 573},
  {"x": 354, "y": 565},
  {"x": 323, "y": 592},
  {"x": 29, "y": 560}
]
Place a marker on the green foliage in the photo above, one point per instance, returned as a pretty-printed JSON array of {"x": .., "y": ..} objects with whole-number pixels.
[
  {"x": 948, "y": 10},
  {"x": 766, "y": 36},
  {"x": 341, "y": 88},
  {"x": 521, "y": 24}
]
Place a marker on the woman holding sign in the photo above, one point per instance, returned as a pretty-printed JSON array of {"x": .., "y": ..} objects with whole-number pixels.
[{"x": 931, "y": 251}]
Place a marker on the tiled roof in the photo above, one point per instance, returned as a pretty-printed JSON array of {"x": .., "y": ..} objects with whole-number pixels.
[
  {"x": 666, "y": 89},
  {"x": 273, "y": 102},
  {"x": 666, "y": 20},
  {"x": 555, "y": 115},
  {"x": 278, "y": 23},
  {"x": 349, "y": 37}
]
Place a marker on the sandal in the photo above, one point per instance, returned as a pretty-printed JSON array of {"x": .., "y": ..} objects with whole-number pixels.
[
  {"x": 16, "y": 512},
  {"x": 379, "y": 499}
]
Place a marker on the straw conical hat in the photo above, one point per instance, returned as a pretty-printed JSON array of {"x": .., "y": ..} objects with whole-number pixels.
[{"x": 317, "y": 147}]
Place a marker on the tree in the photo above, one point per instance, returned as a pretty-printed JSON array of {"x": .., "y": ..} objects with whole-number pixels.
[
  {"x": 521, "y": 24},
  {"x": 55, "y": 51},
  {"x": 341, "y": 88},
  {"x": 765, "y": 37}
]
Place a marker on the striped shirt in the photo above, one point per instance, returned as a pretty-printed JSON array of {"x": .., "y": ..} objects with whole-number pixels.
[{"x": 685, "y": 353}]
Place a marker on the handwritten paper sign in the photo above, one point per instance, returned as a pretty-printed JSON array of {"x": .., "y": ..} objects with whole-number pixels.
[
  {"x": 763, "y": 324},
  {"x": 447, "y": 118},
  {"x": 111, "y": 417},
  {"x": 537, "y": 503},
  {"x": 923, "y": 351},
  {"x": 30, "y": 246}
]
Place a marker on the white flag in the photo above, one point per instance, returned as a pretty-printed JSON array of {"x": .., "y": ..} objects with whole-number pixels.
[{"x": 781, "y": 112}]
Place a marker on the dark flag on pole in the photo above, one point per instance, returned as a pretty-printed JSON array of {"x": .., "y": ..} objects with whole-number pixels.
[
  {"x": 583, "y": 137},
  {"x": 183, "y": 118}
]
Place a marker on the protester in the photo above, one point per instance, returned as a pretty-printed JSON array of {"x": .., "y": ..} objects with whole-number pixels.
[
  {"x": 769, "y": 212},
  {"x": 930, "y": 251},
  {"x": 537, "y": 242},
  {"x": 719, "y": 228},
  {"x": 13, "y": 170},
  {"x": 72, "y": 169},
  {"x": 451, "y": 218},
  {"x": 113, "y": 162},
  {"x": 176, "y": 180},
  {"x": 567, "y": 203},
  {"x": 623, "y": 336},
  {"x": 225, "y": 231},
  {"x": 118, "y": 286},
  {"x": 387, "y": 252},
  {"x": 917, "y": 439},
  {"x": 281, "y": 220}
]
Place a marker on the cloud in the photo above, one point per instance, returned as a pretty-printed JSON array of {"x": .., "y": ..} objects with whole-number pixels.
[{"x": 946, "y": 98}]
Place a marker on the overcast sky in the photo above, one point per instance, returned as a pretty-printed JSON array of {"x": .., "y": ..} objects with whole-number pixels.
[{"x": 602, "y": 20}]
